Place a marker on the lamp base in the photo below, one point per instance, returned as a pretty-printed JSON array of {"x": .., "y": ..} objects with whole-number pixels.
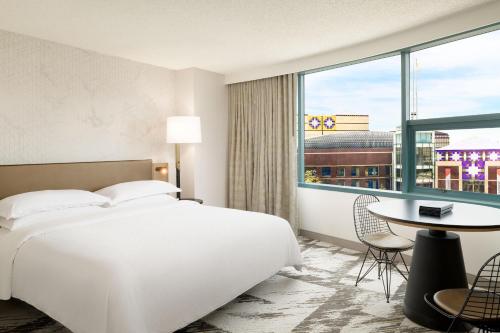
[{"x": 178, "y": 168}]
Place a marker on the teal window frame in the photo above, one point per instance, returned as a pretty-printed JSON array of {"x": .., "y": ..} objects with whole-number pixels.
[{"x": 409, "y": 189}]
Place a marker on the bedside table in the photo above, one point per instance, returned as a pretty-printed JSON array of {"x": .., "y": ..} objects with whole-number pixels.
[{"x": 200, "y": 201}]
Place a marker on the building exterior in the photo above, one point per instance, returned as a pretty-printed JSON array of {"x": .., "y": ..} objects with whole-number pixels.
[
  {"x": 351, "y": 158},
  {"x": 340, "y": 150},
  {"x": 427, "y": 142},
  {"x": 472, "y": 165},
  {"x": 316, "y": 125}
]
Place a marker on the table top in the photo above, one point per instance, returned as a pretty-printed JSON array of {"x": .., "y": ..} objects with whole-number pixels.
[{"x": 464, "y": 217}]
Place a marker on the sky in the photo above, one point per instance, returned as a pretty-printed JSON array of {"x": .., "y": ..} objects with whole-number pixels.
[{"x": 453, "y": 79}]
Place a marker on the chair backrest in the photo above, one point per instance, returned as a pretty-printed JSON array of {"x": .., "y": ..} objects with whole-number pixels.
[
  {"x": 364, "y": 222},
  {"x": 483, "y": 302}
]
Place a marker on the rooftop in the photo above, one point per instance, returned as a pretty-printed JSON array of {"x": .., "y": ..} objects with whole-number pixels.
[
  {"x": 351, "y": 139},
  {"x": 473, "y": 143}
]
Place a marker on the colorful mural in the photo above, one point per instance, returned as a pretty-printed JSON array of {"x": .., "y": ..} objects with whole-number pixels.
[
  {"x": 320, "y": 123},
  {"x": 475, "y": 170}
]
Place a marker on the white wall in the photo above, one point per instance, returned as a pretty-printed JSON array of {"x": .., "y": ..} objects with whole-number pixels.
[
  {"x": 203, "y": 165},
  {"x": 460, "y": 22},
  {"x": 63, "y": 104},
  {"x": 330, "y": 213},
  {"x": 211, "y": 104}
]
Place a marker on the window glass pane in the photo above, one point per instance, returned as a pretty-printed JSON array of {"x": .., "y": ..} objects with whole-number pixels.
[
  {"x": 326, "y": 172},
  {"x": 460, "y": 160},
  {"x": 352, "y": 114},
  {"x": 457, "y": 78},
  {"x": 371, "y": 171}
]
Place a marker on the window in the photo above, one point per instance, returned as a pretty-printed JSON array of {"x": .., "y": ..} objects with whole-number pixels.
[
  {"x": 349, "y": 117},
  {"x": 446, "y": 144},
  {"x": 371, "y": 171},
  {"x": 467, "y": 160},
  {"x": 326, "y": 172},
  {"x": 459, "y": 78}
]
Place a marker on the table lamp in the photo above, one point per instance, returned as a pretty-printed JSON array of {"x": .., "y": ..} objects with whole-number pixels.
[{"x": 182, "y": 129}]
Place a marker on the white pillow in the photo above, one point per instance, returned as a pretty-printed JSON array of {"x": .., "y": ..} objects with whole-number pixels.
[
  {"x": 30, "y": 203},
  {"x": 138, "y": 189},
  {"x": 43, "y": 217},
  {"x": 152, "y": 200}
]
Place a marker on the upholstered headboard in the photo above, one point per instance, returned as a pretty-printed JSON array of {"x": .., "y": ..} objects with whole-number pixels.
[{"x": 15, "y": 179}]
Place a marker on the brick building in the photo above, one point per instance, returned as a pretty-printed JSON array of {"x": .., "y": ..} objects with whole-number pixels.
[{"x": 351, "y": 158}]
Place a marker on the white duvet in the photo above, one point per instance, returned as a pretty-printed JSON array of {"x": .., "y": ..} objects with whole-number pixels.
[{"x": 141, "y": 268}]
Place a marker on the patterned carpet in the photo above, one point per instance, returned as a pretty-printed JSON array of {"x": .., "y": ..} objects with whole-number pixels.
[{"x": 321, "y": 298}]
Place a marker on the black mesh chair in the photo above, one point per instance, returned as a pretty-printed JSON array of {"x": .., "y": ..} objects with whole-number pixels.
[
  {"x": 383, "y": 244},
  {"x": 478, "y": 306}
]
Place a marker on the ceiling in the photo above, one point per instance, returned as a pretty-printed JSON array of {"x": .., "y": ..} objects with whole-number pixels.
[{"x": 223, "y": 36}]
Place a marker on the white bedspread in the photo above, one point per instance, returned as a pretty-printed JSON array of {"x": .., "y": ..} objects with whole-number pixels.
[{"x": 153, "y": 268}]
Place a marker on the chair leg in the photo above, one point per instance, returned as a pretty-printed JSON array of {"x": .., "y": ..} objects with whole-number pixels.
[
  {"x": 385, "y": 261},
  {"x": 361, "y": 269},
  {"x": 404, "y": 263},
  {"x": 389, "y": 262},
  {"x": 361, "y": 277},
  {"x": 388, "y": 275},
  {"x": 380, "y": 258},
  {"x": 397, "y": 268},
  {"x": 451, "y": 325},
  {"x": 385, "y": 281}
]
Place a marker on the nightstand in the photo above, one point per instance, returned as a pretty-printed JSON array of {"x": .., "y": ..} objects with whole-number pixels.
[{"x": 193, "y": 199}]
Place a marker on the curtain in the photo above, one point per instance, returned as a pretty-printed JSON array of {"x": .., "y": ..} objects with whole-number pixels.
[{"x": 263, "y": 147}]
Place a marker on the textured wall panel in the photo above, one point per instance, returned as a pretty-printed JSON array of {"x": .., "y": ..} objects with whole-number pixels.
[{"x": 63, "y": 104}]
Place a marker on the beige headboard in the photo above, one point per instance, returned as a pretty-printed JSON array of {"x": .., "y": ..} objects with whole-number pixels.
[{"x": 15, "y": 179}]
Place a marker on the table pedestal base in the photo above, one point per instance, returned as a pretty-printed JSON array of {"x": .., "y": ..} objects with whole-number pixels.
[{"x": 437, "y": 264}]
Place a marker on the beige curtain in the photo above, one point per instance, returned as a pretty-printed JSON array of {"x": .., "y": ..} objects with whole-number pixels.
[{"x": 263, "y": 147}]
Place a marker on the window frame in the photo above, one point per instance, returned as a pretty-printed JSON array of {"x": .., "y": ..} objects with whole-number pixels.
[{"x": 409, "y": 127}]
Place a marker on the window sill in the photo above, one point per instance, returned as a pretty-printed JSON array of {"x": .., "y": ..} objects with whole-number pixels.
[{"x": 398, "y": 195}]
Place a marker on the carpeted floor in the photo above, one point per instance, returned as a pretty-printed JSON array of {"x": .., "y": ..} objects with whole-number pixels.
[{"x": 320, "y": 298}]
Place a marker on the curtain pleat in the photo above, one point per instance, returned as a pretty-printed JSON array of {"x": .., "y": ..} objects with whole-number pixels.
[{"x": 263, "y": 147}]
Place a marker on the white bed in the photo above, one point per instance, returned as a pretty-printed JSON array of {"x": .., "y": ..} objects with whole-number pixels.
[{"x": 149, "y": 267}]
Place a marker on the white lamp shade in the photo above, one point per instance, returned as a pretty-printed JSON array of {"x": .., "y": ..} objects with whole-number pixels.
[{"x": 183, "y": 129}]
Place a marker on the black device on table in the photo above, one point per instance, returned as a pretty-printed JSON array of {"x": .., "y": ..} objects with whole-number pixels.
[{"x": 436, "y": 209}]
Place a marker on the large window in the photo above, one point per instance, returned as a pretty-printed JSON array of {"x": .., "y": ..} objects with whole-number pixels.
[
  {"x": 459, "y": 78},
  {"x": 351, "y": 115},
  {"x": 424, "y": 121}
]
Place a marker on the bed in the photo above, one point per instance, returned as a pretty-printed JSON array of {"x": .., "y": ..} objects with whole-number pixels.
[{"x": 146, "y": 266}]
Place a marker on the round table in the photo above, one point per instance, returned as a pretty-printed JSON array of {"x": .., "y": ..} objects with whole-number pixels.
[{"x": 437, "y": 261}]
